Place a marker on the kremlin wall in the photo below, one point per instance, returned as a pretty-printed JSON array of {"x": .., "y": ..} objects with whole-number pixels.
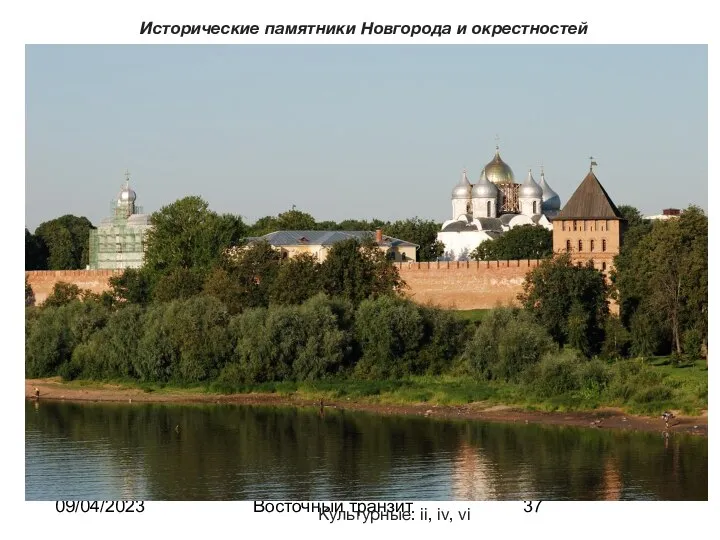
[{"x": 446, "y": 284}]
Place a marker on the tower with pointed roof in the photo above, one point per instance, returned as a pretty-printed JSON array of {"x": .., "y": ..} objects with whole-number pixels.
[{"x": 589, "y": 227}]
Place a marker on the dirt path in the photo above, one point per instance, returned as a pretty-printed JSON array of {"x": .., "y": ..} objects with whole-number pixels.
[{"x": 53, "y": 389}]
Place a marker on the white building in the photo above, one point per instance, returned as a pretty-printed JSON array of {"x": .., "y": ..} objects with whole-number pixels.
[{"x": 494, "y": 205}]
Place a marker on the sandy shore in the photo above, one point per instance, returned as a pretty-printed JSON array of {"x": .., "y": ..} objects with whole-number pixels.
[{"x": 54, "y": 389}]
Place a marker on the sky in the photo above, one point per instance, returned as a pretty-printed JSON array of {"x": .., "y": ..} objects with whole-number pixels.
[{"x": 358, "y": 131}]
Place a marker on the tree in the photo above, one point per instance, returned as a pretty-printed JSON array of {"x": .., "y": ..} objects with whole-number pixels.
[
  {"x": 250, "y": 272},
  {"x": 68, "y": 242},
  {"x": 524, "y": 242},
  {"x": 358, "y": 270},
  {"x": 178, "y": 284},
  {"x": 666, "y": 273},
  {"x": 63, "y": 293},
  {"x": 29, "y": 294},
  {"x": 36, "y": 252},
  {"x": 297, "y": 280},
  {"x": 295, "y": 220},
  {"x": 421, "y": 232},
  {"x": 132, "y": 286},
  {"x": 558, "y": 288},
  {"x": 187, "y": 234},
  {"x": 632, "y": 216}
]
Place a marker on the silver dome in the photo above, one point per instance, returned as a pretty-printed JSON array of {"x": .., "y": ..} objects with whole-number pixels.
[
  {"x": 127, "y": 194},
  {"x": 530, "y": 188},
  {"x": 463, "y": 189},
  {"x": 550, "y": 199},
  {"x": 484, "y": 189}
]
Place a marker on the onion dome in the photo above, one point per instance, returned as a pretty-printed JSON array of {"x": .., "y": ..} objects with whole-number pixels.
[
  {"x": 484, "y": 189},
  {"x": 550, "y": 199},
  {"x": 126, "y": 194},
  {"x": 499, "y": 172},
  {"x": 530, "y": 189},
  {"x": 463, "y": 189}
]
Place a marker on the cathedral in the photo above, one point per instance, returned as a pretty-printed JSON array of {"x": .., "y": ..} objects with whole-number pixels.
[{"x": 494, "y": 205}]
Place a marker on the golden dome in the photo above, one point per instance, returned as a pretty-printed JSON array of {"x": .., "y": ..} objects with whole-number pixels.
[{"x": 499, "y": 172}]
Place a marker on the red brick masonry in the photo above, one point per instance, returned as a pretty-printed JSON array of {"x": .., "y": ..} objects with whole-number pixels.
[{"x": 448, "y": 284}]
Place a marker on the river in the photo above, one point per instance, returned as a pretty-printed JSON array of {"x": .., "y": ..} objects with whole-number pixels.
[{"x": 98, "y": 451}]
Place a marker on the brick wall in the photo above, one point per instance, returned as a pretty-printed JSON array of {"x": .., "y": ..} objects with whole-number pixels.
[
  {"x": 43, "y": 281},
  {"x": 448, "y": 284},
  {"x": 465, "y": 284}
]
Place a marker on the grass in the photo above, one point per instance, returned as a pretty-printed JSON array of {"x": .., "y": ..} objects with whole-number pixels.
[{"x": 663, "y": 387}]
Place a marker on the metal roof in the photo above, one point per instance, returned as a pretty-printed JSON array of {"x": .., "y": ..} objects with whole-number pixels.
[{"x": 324, "y": 238}]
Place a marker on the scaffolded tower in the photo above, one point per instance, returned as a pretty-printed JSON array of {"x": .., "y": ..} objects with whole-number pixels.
[{"x": 119, "y": 240}]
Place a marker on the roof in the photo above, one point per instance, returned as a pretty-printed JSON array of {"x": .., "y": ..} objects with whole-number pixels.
[
  {"x": 590, "y": 201},
  {"x": 324, "y": 238},
  {"x": 460, "y": 226}
]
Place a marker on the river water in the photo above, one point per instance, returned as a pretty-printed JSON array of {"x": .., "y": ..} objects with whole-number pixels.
[{"x": 232, "y": 452}]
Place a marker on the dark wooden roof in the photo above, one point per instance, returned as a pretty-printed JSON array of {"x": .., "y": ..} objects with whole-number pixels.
[{"x": 590, "y": 201}]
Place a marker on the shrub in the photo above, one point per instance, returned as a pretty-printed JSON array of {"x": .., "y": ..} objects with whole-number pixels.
[
  {"x": 505, "y": 344},
  {"x": 390, "y": 332},
  {"x": 555, "y": 374}
]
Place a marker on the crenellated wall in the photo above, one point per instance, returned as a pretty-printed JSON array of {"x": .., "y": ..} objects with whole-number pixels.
[
  {"x": 448, "y": 284},
  {"x": 465, "y": 284},
  {"x": 43, "y": 281}
]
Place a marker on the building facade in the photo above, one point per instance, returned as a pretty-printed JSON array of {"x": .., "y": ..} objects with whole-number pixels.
[
  {"x": 119, "y": 241},
  {"x": 589, "y": 227},
  {"x": 493, "y": 206}
]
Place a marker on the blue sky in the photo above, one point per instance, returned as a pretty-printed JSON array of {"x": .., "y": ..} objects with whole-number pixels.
[{"x": 358, "y": 131}]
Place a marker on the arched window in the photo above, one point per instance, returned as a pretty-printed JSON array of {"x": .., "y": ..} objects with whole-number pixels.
[
  {"x": 604, "y": 245},
  {"x": 567, "y": 246},
  {"x": 489, "y": 208},
  {"x": 592, "y": 245},
  {"x": 468, "y": 208},
  {"x": 534, "y": 207},
  {"x": 579, "y": 245},
  {"x": 604, "y": 266}
]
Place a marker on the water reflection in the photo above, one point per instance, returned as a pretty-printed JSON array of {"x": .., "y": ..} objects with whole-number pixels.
[{"x": 226, "y": 452}]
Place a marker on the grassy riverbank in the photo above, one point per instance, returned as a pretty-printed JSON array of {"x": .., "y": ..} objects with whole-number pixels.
[{"x": 683, "y": 389}]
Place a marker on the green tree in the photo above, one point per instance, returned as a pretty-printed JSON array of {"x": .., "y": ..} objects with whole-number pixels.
[
  {"x": 186, "y": 234},
  {"x": 62, "y": 293},
  {"x": 551, "y": 289},
  {"x": 36, "y": 252},
  {"x": 524, "y": 242},
  {"x": 361, "y": 225},
  {"x": 67, "y": 239},
  {"x": 295, "y": 220},
  {"x": 252, "y": 269},
  {"x": 297, "y": 279},
  {"x": 358, "y": 270},
  {"x": 667, "y": 273},
  {"x": 132, "y": 286},
  {"x": 421, "y": 232},
  {"x": 506, "y": 343},
  {"x": 178, "y": 284},
  {"x": 29, "y": 294},
  {"x": 632, "y": 216},
  {"x": 390, "y": 332}
]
